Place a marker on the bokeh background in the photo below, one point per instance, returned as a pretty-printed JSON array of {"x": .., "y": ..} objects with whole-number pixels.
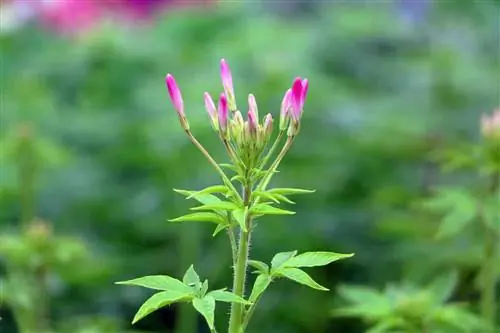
[{"x": 91, "y": 148}]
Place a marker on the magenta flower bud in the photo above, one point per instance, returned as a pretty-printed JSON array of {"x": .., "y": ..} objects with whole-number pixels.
[
  {"x": 285, "y": 107},
  {"x": 305, "y": 88},
  {"x": 227, "y": 83},
  {"x": 252, "y": 122},
  {"x": 176, "y": 97},
  {"x": 212, "y": 111},
  {"x": 223, "y": 114},
  {"x": 252, "y": 106},
  {"x": 296, "y": 99}
]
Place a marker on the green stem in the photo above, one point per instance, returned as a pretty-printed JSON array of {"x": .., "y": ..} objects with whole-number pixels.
[
  {"x": 249, "y": 314},
  {"x": 271, "y": 150},
  {"x": 232, "y": 239},
  {"x": 272, "y": 169},
  {"x": 240, "y": 269}
]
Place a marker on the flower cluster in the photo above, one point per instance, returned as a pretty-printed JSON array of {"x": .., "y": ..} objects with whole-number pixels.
[{"x": 245, "y": 139}]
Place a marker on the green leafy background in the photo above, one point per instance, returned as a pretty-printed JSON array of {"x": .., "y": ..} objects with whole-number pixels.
[{"x": 389, "y": 80}]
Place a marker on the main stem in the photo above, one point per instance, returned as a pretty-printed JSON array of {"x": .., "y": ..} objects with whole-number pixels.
[{"x": 240, "y": 270}]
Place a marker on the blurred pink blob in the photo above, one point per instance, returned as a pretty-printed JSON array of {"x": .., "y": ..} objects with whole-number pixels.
[{"x": 70, "y": 16}]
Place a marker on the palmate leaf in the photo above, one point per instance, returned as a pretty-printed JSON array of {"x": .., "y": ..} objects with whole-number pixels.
[
  {"x": 265, "y": 209},
  {"x": 210, "y": 190},
  {"x": 289, "y": 191},
  {"x": 314, "y": 259},
  {"x": 206, "y": 307},
  {"x": 160, "y": 300},
  {"x": 227, "y": 296},
  {"x": 200, "y": 217},
  {"x": 159, "y": 282},
  {"x": 299, "y": 276},
  {"x": 261, "y": 283}
]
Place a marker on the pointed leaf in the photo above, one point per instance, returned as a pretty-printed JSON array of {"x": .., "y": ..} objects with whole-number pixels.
[
  {"x": 158, "y": 282},
  {"x": 209, "y": 190},
  {"x": 200, "y": 217},
  {"x": 227, "y": 296},
  {"x": 191, "y": 278},
  {"x": 206, "y": 307},
  {"x": 219, "y": 228},
  {"x": 205, "y": 199},
  {"x": 262, "y": 267},
  {"x": 265, "y": 195},
  {"x": 283, "y": 198},
  {"x": 301, "y": 277},
  {"x": 280, "y": 258},
  {"x": 159, "y": 300},
  {"x": 289, "y": 191},
  {"x": 442, "y": 287},
  {"x": 314, "y": 259},
  {"x": 265, "y": 209},
  {"x": 204, "y": 287},
  {"x": 229, "y": 166},
  {"x": 261, "y": 283},
  {"x": 222, "y": 205},
  {"x": 240, "y": 215}
]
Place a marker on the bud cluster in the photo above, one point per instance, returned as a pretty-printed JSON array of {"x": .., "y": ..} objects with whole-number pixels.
[{"x": 245, "y": 138}]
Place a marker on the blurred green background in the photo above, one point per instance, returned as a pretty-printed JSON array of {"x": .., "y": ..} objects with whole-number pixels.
[{"x": 91, "y": 145}]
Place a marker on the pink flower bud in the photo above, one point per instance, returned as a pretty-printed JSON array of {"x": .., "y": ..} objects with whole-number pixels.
[
  {"x": 252, "y": 122},
  {"x": 175, "y": 95},
  {"x": 227, "y": 83},
  {"x": 296, "y": 99},
  {"x": 268, "y": 125},
  {"x": 285, "y": 106},
  {"x": 252, "y": 106},
  {"x": 223, "y": 113},
  {"x": 212, "y": 111}
]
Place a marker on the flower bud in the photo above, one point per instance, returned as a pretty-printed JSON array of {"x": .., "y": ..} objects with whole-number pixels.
[
  {"x": 212, "y": 111},
  {"x": 490, "y": 125},
  {"x": 223, "y": 114},
  {"x": 252, "y": 124},
  {"x": 176, "y": 97},
  {"x": 267, "y": 128},
  {"x": 252, "y": 106},
  {"x": 305, "y": 89},
  {"x": 227, "y": 83},
  {"x": 237, "y": 124},
  {"x": 285, "y": 108},
  {"x": 296, "y": 99}
]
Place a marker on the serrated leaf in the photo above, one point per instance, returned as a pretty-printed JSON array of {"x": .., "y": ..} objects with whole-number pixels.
[
  {"x": 261, "y": 283},
  {"x": 206, "y": 307},
  {"x": 158, "y": 301},
  {"x": 209, "y": 190},
  {"x": 280, "y": 258},
  {"x": 301, "y": 277},
  {"x": 205, "y": 199},
  {"x": 264, "y": 195},
  {"x": 262, "y": 267},
  {"x": 200, "y": 217},
  {"x": 289, "y": 191},
  {"x": 222, "y": 205},
  {"x": 191, "y": 278},
  {"x": 265, "y": 209},
  {"x": 227, "y": 296},
  {"x": 314, "y": 259},
  {"x": 158, "y": 282},
  {"x": 240, "y": 215}
]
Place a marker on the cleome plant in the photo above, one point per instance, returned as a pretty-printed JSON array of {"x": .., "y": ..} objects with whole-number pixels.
[{"x": 254, "y": 161}]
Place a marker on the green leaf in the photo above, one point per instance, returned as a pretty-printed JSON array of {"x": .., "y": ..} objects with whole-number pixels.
[
  {"x": 300, "y": 276},
  {"x": 222, "y": 205},
  {"x": 265, "y": 195},
  {"x": 265, "y": 209},
  {"x": 206, "y": 307},
  {"x": 229, "y": 166},
  {"x": 209, "y": 190},
  {"x": 262, "y": 267},
  {"x": 238, "y": 178},
  {"x": 200, "y": 217},
  {"x": 314, "y": 259},
  {"x": 204, "y": 287},
  {"x": 160, "y": 300},
  {"x": 289, "y": 191},
  {"x": 205, "y": 199},
  {"x": 191, "y": 278},
  {"x": 283, "y": 198},
  {"x": 442, "y": 287},
  {"x": 240, "y": 215},
  {"x": 361, "y": 295},
  {"x": 261, "y": 283},
  {"x": 227, "y": 296},
  {"x": 280, "y": 258},
  {"x": 219, "y": 228},
  {"x": 158, "y": 282}
]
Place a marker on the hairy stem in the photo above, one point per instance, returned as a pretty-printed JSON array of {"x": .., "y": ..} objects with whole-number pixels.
[
  {"x": 240, "y": 269},
  {"x": 249, "y": 314},
  {"x": 232, "y": 239}
]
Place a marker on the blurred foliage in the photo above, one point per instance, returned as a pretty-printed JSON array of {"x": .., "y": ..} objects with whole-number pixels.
[{"x": 387, "y": 87}]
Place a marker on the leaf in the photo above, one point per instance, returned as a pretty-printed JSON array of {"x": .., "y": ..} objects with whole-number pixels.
[
  {"x": 265, "y": 209},
  {"x": 283, "y": 198},
  {"x": 206, "y": 307},
  {"x": 209, "y": 190},
  {"x": 205, "y": 199},
  {"x": 200, "y": 217},
  {"x": 301, "y": 277},
  {"x": 222, "y": 205},
  {"x": 229, "y": 166},
  {"x": 289, "y": 191},
  {"x": 158, "y": 282},
  {"x": 280, "y": 258},
  {"x": 204, "y": 287},
  {"x": 265, "y": 195},
  {"x": 219, "y": 228},
  {"x": 240, "y": 215},
  {"x": 314, "y": 259},
  {"x": 191, "y": 278},
  {"x": 159, "y": 300},
  {"x": 262, "y": 267},
  {"x": 227, "y": 296},
  {"x": 454, "y": 223},
  {"x": 261, "y": 283},
  {"x": 361, "y": 295},
  {"x": 442, "y": 287}
]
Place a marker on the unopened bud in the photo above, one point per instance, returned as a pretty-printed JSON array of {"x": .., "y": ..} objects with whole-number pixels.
[
  {"x": 267, "y": 128},
  {"x": 223, "y": 115},
  {"x": 237, "y": 124},
  {"x": 490, "y": 125},
  {"x": 176, "y": 98},
  {"x": 227, "y": 83},
  {"x": 212, "y": 111},
  {"x": 252, "y": 106},
  {"x": 285, "y": 110}
]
